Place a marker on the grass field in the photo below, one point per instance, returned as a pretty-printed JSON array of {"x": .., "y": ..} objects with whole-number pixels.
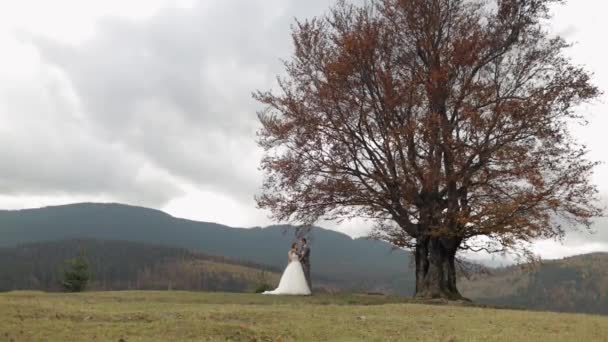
[{"x": 190, "y": 316}]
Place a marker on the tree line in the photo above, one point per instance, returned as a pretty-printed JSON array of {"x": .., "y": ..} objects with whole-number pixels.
[{"x": 120, "y": 265}]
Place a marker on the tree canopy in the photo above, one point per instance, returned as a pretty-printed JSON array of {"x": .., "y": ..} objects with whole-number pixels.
[{"x": 443, "y": 120}]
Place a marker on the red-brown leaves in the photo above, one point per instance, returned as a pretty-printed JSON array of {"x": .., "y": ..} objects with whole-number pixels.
[{"x": 447, "y": 118}]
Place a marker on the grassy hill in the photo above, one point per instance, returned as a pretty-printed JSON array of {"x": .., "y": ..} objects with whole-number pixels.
[
  {"x": 357, "y": 264},
  {"x": 574, "y": 284},
  {"x": 184, "y": 316}
]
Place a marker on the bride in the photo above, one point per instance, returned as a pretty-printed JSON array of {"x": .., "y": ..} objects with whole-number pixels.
[{"x": 293, "y": 281}]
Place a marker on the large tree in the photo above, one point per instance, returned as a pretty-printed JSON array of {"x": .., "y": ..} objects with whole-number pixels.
[{"x": 446, "y": 121}]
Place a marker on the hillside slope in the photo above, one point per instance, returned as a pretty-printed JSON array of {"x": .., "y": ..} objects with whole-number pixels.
[
  {"x": 354, "y": 263},
  {"x": 578, "y": 284},
  {"x": 123, "y": 265},
  {"x": 574, "y": 284}
]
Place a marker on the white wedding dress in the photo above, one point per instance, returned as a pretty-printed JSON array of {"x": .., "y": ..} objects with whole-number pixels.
[{"x": 293, "y": 280}]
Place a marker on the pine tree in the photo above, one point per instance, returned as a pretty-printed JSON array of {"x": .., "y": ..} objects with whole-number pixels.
[{"x": 77, "y": 275}]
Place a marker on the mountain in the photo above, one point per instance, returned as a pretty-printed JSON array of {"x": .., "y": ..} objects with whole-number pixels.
[
  {"x": 358, "y": 264},
  {"x": 122, "y": 265},
  {"x": 573, "y": 284},
  {"x": 160, "y": 251}
]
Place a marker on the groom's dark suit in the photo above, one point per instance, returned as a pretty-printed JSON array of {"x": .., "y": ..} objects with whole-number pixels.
[{"x": 305, "y": 260}]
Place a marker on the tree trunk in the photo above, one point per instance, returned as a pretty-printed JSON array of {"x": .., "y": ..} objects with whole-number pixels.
[{"x": 436, "y": 269}]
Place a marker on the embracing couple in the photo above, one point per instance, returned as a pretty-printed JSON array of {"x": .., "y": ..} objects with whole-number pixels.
[{"x": 296, "y": 277}]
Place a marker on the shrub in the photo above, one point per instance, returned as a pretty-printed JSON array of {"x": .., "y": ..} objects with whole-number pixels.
[{"x": 262, "y": 287}]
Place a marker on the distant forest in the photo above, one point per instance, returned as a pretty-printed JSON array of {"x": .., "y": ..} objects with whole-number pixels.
[
  {"x": 122, "y": 265},
  {"x": 574, "y": 284}
]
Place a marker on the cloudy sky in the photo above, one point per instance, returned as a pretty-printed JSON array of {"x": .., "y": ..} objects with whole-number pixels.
[{"x": 147, "y": 102}]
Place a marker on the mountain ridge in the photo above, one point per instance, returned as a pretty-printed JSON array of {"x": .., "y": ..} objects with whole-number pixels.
[{"x": 362, "y": 263}]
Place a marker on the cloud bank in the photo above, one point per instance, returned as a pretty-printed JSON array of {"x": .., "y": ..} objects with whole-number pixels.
[{"x": 148, "y": 103}]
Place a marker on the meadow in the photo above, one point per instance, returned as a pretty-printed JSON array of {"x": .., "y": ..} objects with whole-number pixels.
[{"x": 196, "y": 316}]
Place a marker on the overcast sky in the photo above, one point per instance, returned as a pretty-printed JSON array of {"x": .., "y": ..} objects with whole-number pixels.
[{"x": 147, "y": 102}]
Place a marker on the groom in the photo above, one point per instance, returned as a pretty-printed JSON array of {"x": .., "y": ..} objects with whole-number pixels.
[{"x": 305, "y": 260}]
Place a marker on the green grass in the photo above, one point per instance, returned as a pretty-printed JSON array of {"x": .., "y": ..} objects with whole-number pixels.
[{"x": 189, "y": 316}]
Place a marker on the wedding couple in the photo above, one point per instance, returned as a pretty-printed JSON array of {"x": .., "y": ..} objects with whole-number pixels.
[{"x": 296, "y": 277}]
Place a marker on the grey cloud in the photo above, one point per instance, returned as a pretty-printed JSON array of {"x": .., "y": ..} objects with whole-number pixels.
[
  {"x": 45, "y": 148},
  {"x": 597, "y": 234},
  {"x": 175, "y": 88},
  {"x": 146, "y": 106}
]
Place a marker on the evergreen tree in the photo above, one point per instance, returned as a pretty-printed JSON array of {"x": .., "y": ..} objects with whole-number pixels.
[{"x": 77, "y": 275}]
